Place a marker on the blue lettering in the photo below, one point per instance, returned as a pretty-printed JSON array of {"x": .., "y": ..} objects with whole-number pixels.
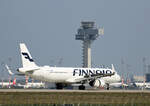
[
  {"x": 84, "y": 72},
  {"x": 91, "y": 72},
  {"x": 75, "y": 72},
  {"x": 80, "y": 72},
  {"x": 108, "y": 72},
  {"x": 98, "y": 72}
]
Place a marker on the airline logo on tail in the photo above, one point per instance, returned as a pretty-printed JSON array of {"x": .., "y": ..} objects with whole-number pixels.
[{"x": 27, "y": 56}]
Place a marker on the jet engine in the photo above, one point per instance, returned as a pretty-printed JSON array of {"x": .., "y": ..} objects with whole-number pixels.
[{"x": 97, "y": 83}]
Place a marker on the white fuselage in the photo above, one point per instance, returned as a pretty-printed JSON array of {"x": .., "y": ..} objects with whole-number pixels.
[
  {"x": 142, "y": 84},
  {"x": 94, "y": 76},
  {"x": 70, "y": 75},
  {"x": 5, "y": 83}
]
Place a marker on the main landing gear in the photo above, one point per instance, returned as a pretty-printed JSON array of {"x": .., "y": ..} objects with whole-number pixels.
[
  {"x": 107, "y": 87},
  {"x": 82, "y": 87},
  {"x": 59, "y": 86}
]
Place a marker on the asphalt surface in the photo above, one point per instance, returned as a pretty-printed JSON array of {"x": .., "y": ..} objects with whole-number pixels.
[{"x": 86, "y": 91}]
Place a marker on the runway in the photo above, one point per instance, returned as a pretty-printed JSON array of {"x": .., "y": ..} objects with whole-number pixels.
[{"x": 84, "y": 91}]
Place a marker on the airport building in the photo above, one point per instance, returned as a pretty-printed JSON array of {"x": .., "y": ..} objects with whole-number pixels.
[{"x": 138, "y": 78}]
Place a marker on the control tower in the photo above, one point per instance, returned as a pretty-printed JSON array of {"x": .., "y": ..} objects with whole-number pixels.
[{"x": 88, "y": 33}]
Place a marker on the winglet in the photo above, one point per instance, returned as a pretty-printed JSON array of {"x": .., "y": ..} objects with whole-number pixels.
[
  {"x": 8, "y": 69},
  {"x": 113, "y": 69}
]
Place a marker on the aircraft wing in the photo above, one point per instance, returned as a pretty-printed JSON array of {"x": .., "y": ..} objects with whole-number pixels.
[
  {"x": 90, "y": 77},
  {"x": 99, "y": 75}
]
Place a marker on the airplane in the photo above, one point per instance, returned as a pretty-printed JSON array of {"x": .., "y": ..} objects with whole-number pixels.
[
  {"x": 31, "y": 85},
  {"x": 8, "y": 84},
  {"x": 34, "y": 85},
  {"x": 28, "y": 84},
  {"x": 142, "y": 85},
  {"x": 64, "y": 76},
  {"x": 119, "y": 84}
]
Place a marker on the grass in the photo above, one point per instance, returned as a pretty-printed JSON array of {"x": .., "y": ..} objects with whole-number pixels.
[{"x": 50, "y": 98}]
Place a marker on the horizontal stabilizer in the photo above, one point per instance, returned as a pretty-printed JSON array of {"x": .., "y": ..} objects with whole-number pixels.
[
  {"x": 11, "y": 73},
  {"x": 8, "y": 69}
]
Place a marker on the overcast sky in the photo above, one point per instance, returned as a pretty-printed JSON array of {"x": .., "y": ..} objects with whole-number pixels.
[{"x": 48, "y": 28}]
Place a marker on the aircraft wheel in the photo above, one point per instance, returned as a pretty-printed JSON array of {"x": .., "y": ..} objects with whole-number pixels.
[
  {"x": 81, "y": 87},
  {"x": 108, "y": 88},
  {"x": 59, "y": 86}
]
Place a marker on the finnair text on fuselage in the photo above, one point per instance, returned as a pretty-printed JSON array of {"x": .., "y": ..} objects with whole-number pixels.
[{"x": 83, "y": 72}]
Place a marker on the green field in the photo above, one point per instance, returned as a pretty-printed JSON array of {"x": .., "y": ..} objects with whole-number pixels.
[{"x": 75, "y": 98}]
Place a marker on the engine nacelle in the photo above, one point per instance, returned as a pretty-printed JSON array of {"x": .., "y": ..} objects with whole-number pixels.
[{"x": 97, "y": 83}]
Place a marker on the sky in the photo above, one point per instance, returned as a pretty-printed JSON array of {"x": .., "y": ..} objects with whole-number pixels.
[{"x": 48, "y": 28}]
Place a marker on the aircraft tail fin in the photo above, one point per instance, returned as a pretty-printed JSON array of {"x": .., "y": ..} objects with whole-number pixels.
[
  {"x": 14, "y": 81},
  {"x": 27, "y": 60}
]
